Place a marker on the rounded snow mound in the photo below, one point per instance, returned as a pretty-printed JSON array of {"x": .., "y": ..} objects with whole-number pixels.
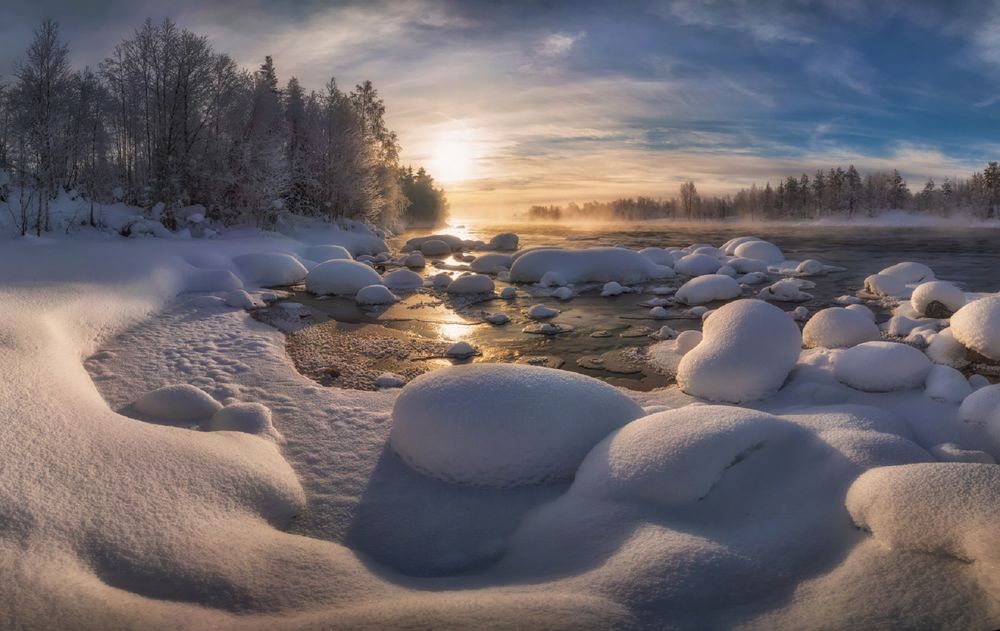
[
  {"x": 505, "y": 242},
  {"x": 491, "y": 263},
  {"x": 181, "y": 403},
  {"x": 435, "y": 247},
  {"x": 948, "y": 297},
  {"x": 375, "y": 295},
  {"x": 909, "y": 272},
  {"x": 454, "y": 243},
  {"x": 659, "y": 256},
  {"x": 594, "y": 265},
  {"x": 809, "y": 267},
  {"x": 340, "y": 277},
  {"x": 944, "y": 383},
  {"x": 729, "y": 247},
  {"x": 676, "y": 456},
  {"x": 708, "y": 288},
  {"x": 324, "y": 253},
  {"x": 403, "y": 279},
  {"x": 471, "y": 284},
  {"x": 979, "y": 406},
  {"x": 885, "y": 285},
  {"x": 503, "y": 425},
  {"x": 882, "y": 367},
  {"x": 269, "y": 269},
  {"x": 747, "y": 266},
  {"x": 250, "y": 418},
  {"x": 977, "y": 326},
  {"x": 414, "y": 259},
  {"x": 746, "y": 352},
  {"x": 697, "y": 265},
  {"x": 787, "y": 290},
  {"x": 760, "y": 250},
  {"x": 838, "y": 327}
]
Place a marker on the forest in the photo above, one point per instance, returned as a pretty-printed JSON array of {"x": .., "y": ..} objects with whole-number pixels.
[
  {"x": 166, "y": 122},
  {"x": 836, "y": 193}
]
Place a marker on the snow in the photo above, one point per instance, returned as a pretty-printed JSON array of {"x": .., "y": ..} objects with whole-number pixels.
[
  {"x": 659, "y": 256},
  {"x": 613, "y": 289},
  {"x": 508, "y": 293},
  {"x": 563, "y": 293},
  {"x": 979, "y": 406},
  {"x": 491, "y": 263},
  {"x": 950, "y": 452},
  {"x": 659, "y": 313},
  {"x": 687, "y": 340},
  {"x": 390, "y": 380},
  {"x": 241, "y": 300},
  {"x": 540, "y": 312},
  {"x": 270, "y": 269},
  {"x": 504, "y": 425},
  {"x": 800, "y": 314},
  {"x": 461, "y": 350},
  {"x": 504, "y": 242},
  {"x": 553, "y": 279},
  {"x": 497, "y": 318},
  {"x": 697, "y": 265},
  {"x": 375, "y": 295},
  {"x": 414, "y": 260},
  {"x": 787, "y": 290},
  {"x": 860, "y": 308},
  {"x": 945, "y": 349},
  {"x": 324, "y": 253},
  {"x": 403, "y": 280},
  {"x": 977, "y": 326},
  {"x": 882, "y": 367},
  {"x": 596, "y": 265},
  {"x": 809, "y": 267},
  {"x": 759, "y": 250},
  {"x": 838, "y": 327},
  {"x": 435, "y": 247},
  {"x": 946, "y": 294},
  {"x": 454, "y": 243},
  {"x": 909, "y": 272},
  {"x": 748, "y": 349},
  {"x": 179, "y": 403},
  {"x": 729, "y": 247},
  {"x": 471, "y": 284},
  {"x": 747, "y": 266},
  {"x": 708, "y": 288},
  {"x": 944, "y": 383},
  {"x": 251, "y": 418},
  {"x": 340, "y": 277},
  {"x": 886, "y": 286}
]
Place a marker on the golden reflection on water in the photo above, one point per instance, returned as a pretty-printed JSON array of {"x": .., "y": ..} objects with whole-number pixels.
[{"x": 453, "y": 332}]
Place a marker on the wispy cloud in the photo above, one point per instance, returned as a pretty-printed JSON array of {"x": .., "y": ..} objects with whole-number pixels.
[{"x": 559, "y": 44}]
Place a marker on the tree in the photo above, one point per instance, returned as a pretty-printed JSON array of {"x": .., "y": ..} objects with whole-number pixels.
[
  {"x": 991, "y": 180},
  {"x": 690, "y": 201}
]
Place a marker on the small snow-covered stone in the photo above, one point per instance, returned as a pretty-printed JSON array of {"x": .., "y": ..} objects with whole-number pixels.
[
  {"x": 665, "y": 333},
  {"x": 937, "y": 299},
  {"x": 179, "y": 403},
  {"x": 697, "y": 265},
  {"x": 415, "y": 260},
  {"x": 760, "y": 250},
  {"x": 435, "y": 247},
  {"x": 471, "y": 284},
  {"x": 497, "y": 318},
  {"x": 563, "y": 293},
  {"x": 687, "y": 340},
  {"x": 340, "y": 277},
  {"x": 441, "y": 279},
  {"x": 612, "y": 289},
  {"x": 708, "y": 288},
  {"x": 978, "y": 381},
  {"x": 241, "y": 300},
  {"x": 269, "y": 269},
  {"x": 837, "y": 327},
  {"x": 505, "y": 241},
  {"x": 250, "y": 418},
  {"x": 885, "y": 285},
  {"x": 659, "y": 313},
  {"x": 747, "y": 266},
  {"x": 909, "y": 272},
  {"x": 540, "y": 312},
  {"x": 375, "y": 295},
  {"x": 787, "y": 290},
  {"x": 403, "y": 280},
  {"x": 800, "y": 314},
  {"x": 389, "y": 380},
  {"x": 882, "y": 367},
  {"x": 979, "y": 406},
  {"x": 945, "y": 349},
  {"x": 491, "y": 263},
  {"x": 809, "y": 267},
  {"x": 944, "y": 383},
  {"x": 977, "y": 326},
  {"x": 461, "y": 350},
  {"x": 508, "y": 293},
  {"x": 552, "y": 279}
]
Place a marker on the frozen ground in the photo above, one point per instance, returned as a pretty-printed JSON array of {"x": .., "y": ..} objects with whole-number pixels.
[{"x": 470, "y": 499}]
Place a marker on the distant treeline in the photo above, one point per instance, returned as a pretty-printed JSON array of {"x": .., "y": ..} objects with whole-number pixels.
[
  {"x": 837, "y": 193},
  {"x": 167, "y": 122}
]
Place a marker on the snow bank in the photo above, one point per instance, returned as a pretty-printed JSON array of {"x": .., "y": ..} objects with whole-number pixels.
[
  {"x": 748, "y": 349},
  {"x": 882, "y": 367},
  {"x": 760, "y": 250},
  {"x": 708, "y": 288},
  {"x": 471, "y": 284},
  {"x": 340, "y": 277},
  {"x": 403, "y": 280},
  {"x": 270, "y": 269},
  {"x": 697, "y": 265},
  {"x": 180, "y": 403},
  {"x": 837, "y": 327},
  {"x": 595, "y": 265},
  {"x": 504, "y": 425},
  {"x": 977, "y": 326},
  {"x": 324, "y": 253},
  {"x": 948, "y": 297}
]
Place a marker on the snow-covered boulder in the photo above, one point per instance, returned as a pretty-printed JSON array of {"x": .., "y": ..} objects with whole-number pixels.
[
  {"x": 909, "y": 272},
  {"x": 980, "y": 405},
  {"x": 747, "y": 351},
  {"x": 760, "y": 250},
  {"x": 508, "y": 293},
  {"x": 181, "y": 403},
  {"x": 340, "y": 277},
  {"x": 697, "y": 265},
  {"x": 747, "y": 266},
  {"x": 553, "y": 279},
  {"x": 454, "y": 243},
  {"x": 375, "y": 295},
  {"x": 708, "y": 288},
  {"x": 242, "y": 300},
  {"x": 594, "y": 265},
  {"x": 414, "y": 260},
  {"x": 539, "y": 312},
  {"x": 403, "y": 280},
  {"x": 729, "y": 247},
  {"x": 504, "y": 425},
  {"x": 882, "y": 367},
  {"x": 389, "y": 380},
  {"x": 977, "y": 326},
  {"x": 461, "y": 350},
  {"x": 563, "y": 293},
  {"x": 659, "y": 313},
  {"x": 885, "y": 285},
  {"x": 837, "y": 327},
  {"x": 471, "y": 284},
  {"x": 491, "y": 263},
  {"x": 937, "y": 299},
  {"x": 504, "y": 242},
  {"x": 269, "y": 269},
  {"x": 944, "y": 383},
  {"x": 658, "y": 256},
  {"x": 809, "y": 267},
  {"x": 862, "y": 309},
  {"x": 435, "y": 247},
  {"x": 946, "y": 350},
  {"x": 787, "y": 290},
  {"x": 324, "y": 253},
  {"x": 612, "y": 289},
  {"x": 687, "y": 340},
  {"x": 250, "y": 418}
]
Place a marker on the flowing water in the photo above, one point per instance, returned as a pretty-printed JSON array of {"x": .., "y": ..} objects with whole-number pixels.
[{"x": 608, "y": 334}]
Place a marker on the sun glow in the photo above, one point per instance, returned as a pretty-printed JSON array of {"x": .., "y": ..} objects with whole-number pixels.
[{"x": 453, "y": 156}]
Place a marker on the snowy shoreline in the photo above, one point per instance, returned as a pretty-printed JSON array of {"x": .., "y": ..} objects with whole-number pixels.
[{"x": 554, "y": 496}]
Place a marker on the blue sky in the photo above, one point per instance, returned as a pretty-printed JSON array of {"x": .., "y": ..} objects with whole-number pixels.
[{"x": 554, "y": 101}]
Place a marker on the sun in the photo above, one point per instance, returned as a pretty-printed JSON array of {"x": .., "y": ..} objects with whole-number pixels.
[{"x": 451, "y": 160}]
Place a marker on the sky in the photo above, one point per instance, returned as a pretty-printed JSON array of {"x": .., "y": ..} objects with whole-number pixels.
[{"x": 510, "y": 104}]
